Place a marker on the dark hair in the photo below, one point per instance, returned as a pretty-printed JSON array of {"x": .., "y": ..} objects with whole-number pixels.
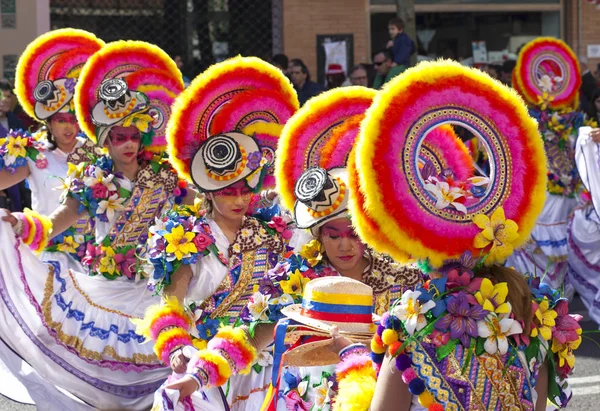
[
  {"x": 357, "y": 67},
  {"x": 50, "y": 136},
  {"x": 300, "y": 63},
  {"x": 6, "y": 85},
  {"x": 281, "y": 60},
  {"x": 398, "y": 22},
  {"x": 592, "y": 111},
  {"x": 386, "y": 53},
  {"x": 335, "y": 80}
]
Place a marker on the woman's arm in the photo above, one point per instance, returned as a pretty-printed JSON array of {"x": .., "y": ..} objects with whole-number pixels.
[
  {"x": 8, "y": 180},
  {"x": 390, "y": 392},
  {"x": 65, "y": 216},
  {"x": 541, "y": 387},
  {"x": 180, "y": 282}
]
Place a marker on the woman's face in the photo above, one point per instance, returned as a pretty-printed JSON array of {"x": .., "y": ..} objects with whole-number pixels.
[
  {"x": 232, "y": 202},
  {"x": 342, "y": 245},
  {"x": 124, "y": 144},
  {"x": 64, "y": 128}
]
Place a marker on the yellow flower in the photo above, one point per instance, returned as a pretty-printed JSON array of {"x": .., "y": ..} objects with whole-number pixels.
[
  {"x": 141, "y": 121},
  {"x": 180, "y": 242},
  {"x": 69, "y": 245},
  {"x": 565, "y": 351},
  {"x": 16, "y": 147},
  {"x": 108, "y": 263},
  {"x": 497, "y": 231},
  {"x": 544, "y": 320},
  {"x": 311, "y": 251},
  {"x": 493, "y": 297},
  {"x": 295, "y": 284},
  {"x": 75, "y": 170}
]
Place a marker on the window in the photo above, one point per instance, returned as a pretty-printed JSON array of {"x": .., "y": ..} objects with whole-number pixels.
[
  {"x": 8, "y": 14},
  {"x": 9, "y": 65}
]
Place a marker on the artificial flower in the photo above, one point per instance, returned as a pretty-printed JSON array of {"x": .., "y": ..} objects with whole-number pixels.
[
  {"x": 492, "y": 297},
  {"x": 208, "y": 329},
  {"x": 258, "y": 306},
  {"x": 566, "y": 327},
  {"x": 295, "y": 284},
  {"x": 180, "y": 242},
  {"x": 110, "y": 205},
  {"x": 127, "y": 263},
  {"x": 432, "y": 291},
  {"x": 294, "y": 402},
  {"x": 323, "y": 392},
  {"x": 439, "y": 338},
  {"x": 311, "y": 251},
  {"x": 412, "y": 312},
  {"x": 543, "y": 318},
  {"x": 497, "y": 231},
  {"x": 445, "y": 195},
  {"x": 279, "y": 272},
  {"x": 68, "y": 245},
  {"x": 107, "y": 263},
  {"x": 202, "y": 241},
  {"x": 461, "y": 319},
  {"x": 17, "y": 147},
  {"x": 264, "y": 358},
  {"x": 496, "y": 331}
]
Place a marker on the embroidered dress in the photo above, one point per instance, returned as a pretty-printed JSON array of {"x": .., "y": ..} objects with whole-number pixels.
[
  {"x": 584, "y": 228},
  {"x": 72, "y": 314},
  {"x": 225, "y": 276},
  {"x": 315, "y": 388}
]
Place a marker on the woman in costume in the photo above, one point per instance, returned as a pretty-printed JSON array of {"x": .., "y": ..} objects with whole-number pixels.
[
  {"x": 584, "y": 227},
  {"x": 313, "y": 181},
  {"x": 548, "y": 77},
  {"x": 75, "y": 317},
  {"x": 475, "y": 336},
  {"x": 207, "y": 262}
]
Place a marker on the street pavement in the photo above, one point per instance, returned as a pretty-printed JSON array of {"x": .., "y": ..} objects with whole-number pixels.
[{"x": 585, "y": 381}]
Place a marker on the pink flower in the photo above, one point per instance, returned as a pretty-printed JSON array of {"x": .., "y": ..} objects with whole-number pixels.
[
  {"x": 41, "y": 163},
  {"x": 278, "y": 224},
  {"x": 91, "y": 253},
  {"x": 439, "y": 338},
  {"x": 201, "y": 241},
  {"x": 567, "y": 325},
  {"x": 99, "y": 190},
  {"x": 310, "y": 274},
  {"x": 127, "y": 263},
  {"x": 328, "y": 272},
  {"x": 294, "y": 402}
]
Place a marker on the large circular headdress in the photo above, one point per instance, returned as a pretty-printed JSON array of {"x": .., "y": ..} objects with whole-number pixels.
[
  {"x": 128, "y": 82},
  {"x": 48, "y": 69},
  {"x": 423, "y": 217},
  {"x": 245, "y": 95},
  {"x": 547, "y": 72}
]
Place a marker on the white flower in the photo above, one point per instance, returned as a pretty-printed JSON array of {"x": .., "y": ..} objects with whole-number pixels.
[
  {"x": 98, "y": 177},
  {"x": 79, "y": 239},
  {"x": 412, "y": 311},
  {"x": 479, "y": 181},
  {"x": 258, "y": 306},
  {"x": 323, "y": 393},
  {"x": 264, "y": 359},
  {"x": 114, "y": 203},
  {"x": 283, "y": 300},
  {"x": 496, "y": 331},
  {"x": 545, "y": 83},
  {"x": 159, "y": 225},
  {"x": 445, "y": 195}
]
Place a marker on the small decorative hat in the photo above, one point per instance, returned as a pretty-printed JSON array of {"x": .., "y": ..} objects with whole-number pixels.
[
  {"x": 419, "y": 216},
  {"x": 547, "y": 72},
  {"x": 242, "y": 103},
  {"x": 128, "y": 83},
  {"x": 48, "y": 70},
  {"x": 334, "y": 69}
]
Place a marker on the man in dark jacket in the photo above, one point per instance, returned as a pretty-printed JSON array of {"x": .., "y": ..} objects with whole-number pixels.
[{"x": 301, "y": 80}]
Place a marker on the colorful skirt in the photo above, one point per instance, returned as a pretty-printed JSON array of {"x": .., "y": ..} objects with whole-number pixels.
[{"x": 75, "y": 330}]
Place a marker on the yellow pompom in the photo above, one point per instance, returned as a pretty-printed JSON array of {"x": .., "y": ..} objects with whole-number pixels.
[
  {"x": 426, "y": 399},
  {"x": 376, "y": 347},
  {"x": 389, "y": 337}
]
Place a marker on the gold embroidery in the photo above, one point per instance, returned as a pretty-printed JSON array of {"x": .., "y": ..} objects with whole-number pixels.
[
  {"x": 75, "y": 342},
  {"x": 245, "y": 397},
  {"x": 245, "y": 277}
]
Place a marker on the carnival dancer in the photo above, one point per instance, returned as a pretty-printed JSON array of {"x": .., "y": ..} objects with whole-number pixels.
[
  {"x": 207, "y": 262},
  {"x": 584, "y": 227},
  {"x": 477, "y": 335},
  {"x": 548, "y": 77},
  {"x": 71, "y": 320},
  {"x": 313, "y": 181}
]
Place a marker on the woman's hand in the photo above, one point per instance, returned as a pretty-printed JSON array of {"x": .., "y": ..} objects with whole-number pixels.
[
  {"x": 9, "y": 218},
  {"x": 339, "y": 342},
  {"x": 595, "y": 135},
  {"x": 186, "y": 387},
  {"x": 178, "y": 362}
]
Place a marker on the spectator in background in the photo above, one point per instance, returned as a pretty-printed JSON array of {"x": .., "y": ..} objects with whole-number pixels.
[
  {"x": 588, "y": 84},
  {"x": 401, "y": 46},
  {"x": 9, "y": 95},
  {"x": 335, "y": 76},
  {"x": 11, "y": 197},
  {"x": 301, "y": 81},
  {"x": 506, "y": 72},
  {"x": 382, "y": 62},
  {"x": 281, "y": 62},
  {"x": 359, "y": 76},
  {"x": 179, "y": 61},
  {"x": 594, "y": 106}
]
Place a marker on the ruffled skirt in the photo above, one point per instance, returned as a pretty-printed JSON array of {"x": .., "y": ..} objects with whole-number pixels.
[{"x": 75, "y": 330}]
